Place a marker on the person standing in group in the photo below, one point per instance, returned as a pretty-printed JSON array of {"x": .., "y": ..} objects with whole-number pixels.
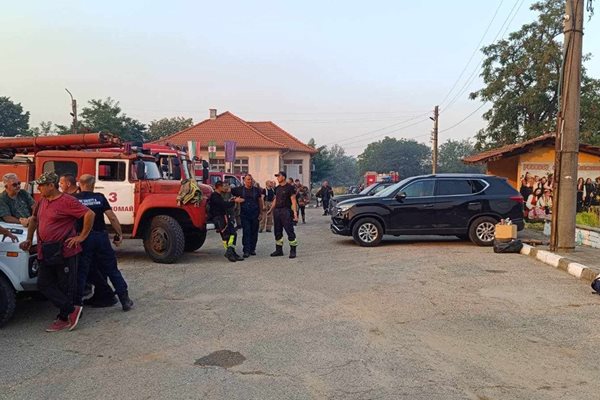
[
  {"x": 268, "y": 193},
  {"x": 58, "y": 247},
  {"x": 250, "y": 214},
  {"x": 220, "y": 213},
  {"x": 15, "y": 203},
  {"x": 285, "y": 199},
  {"x": 580, "y": 192},
  {"x": 97, "y": 247},
  {"x": 68, "y": 184},
  {"x": 590, "y": 193},
  {"x": 325, "y": 193},
  {"x": 303, "y": 198}
]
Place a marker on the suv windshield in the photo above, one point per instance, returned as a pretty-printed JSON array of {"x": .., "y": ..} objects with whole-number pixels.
[{"x": 391, "y": 189}]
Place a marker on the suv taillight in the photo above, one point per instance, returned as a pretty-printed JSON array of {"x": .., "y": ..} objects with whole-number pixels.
[{"x": 518, "y": 199}]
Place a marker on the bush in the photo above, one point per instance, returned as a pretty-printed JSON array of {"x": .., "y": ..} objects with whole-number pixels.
[{"x": 588, "y": 218}]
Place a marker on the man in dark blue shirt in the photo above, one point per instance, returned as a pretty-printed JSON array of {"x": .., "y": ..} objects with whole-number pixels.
[
  {"x": 250, "y": 213},
  {"x": 97, "y": 247}
]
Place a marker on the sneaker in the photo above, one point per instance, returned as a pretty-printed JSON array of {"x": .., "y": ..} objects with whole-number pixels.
[
  {"x": 126, "y": 302},
  {"x": 58, "y": 325},
  {"x": 74, "y": 317}
]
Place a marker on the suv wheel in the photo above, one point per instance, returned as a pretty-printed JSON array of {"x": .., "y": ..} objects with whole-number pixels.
[
  {"x": 7, "y": 300},
  {"x": 481, "y": 231},
  {"x": 367, "y": 232},
  {"x": 164, "y": 241},
  {"x": 194, "y": 240}
]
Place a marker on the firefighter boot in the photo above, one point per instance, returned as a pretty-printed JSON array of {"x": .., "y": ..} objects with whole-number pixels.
[
  {"x": 126, "y": 302},
  {"x": 237, "y": 256},
  {"x": 293, "y": 251},
  {"x": 230, "y": 254},
  {"x": 278, "y": 251}
]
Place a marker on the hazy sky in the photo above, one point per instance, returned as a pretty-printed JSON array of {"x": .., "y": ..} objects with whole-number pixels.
[{"x": 332, "y": 70}]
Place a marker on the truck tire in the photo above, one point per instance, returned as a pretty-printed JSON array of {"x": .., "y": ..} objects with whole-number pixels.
[
  {"x": 194, "y": 240},
  {"x": 164, "y": 241},
  {"x": 8, "y": 300},
  {"x": 367, "y": 232},
  {"x": 481, "y": 231}
]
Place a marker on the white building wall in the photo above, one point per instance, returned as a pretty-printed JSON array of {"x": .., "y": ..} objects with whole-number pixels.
[
  {"x": 306, "y": 165},
  {"x": 262, "y": 164}
]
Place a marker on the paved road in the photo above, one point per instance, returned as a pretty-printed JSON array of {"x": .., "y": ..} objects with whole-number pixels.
[{"x": 431, "y": 318}]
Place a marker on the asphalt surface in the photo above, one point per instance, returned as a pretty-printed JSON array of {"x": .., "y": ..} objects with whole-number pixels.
[{"x": 416, "y": 318}]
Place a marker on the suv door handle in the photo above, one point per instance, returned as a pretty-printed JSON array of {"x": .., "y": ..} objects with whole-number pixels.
[{"x": 428, "y": 206}]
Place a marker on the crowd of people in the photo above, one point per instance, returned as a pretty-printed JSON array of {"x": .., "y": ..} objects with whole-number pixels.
[
  {"x": 277, "y": 207},
  {"x": 73, "y": 246},
  {"x": 74, "y": 250},
  {"x": 537, "y": 193}
]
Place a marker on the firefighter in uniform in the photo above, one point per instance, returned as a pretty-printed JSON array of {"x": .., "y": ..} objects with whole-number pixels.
[
  {"x": 225, "y": 225},
  {"x": 285, "y": 213}
]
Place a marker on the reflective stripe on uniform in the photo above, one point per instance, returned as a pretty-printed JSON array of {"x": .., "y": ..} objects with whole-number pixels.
[
  {"x": 279, "y": 242},
  {"x": 293, "y": 243}
]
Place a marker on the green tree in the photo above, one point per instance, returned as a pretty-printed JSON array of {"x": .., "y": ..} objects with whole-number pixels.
[
  {"x": 344, "y": 171},
  {"x": 13, "y": 121},
  {"x": 521, "y": 76},
  {"x": 451, "y": 154},
  {"x": 408, "y": 157},
  {"x": 321, "y": 162},
  {"x": 45, "y": 129},
  {"x": 107, "y": 116},
  {"x": 166, "y": 126}
]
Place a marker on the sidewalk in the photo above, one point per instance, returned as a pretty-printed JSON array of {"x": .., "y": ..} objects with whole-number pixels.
[{"x": 583, "y": 263}]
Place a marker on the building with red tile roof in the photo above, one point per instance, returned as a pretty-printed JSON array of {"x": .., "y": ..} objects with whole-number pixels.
[{"x": 263, "y": 148}]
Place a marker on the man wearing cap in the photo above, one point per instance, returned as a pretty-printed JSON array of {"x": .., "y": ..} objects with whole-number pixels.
[
  {"x": 54, "y": 217},
  {"x": 285, "y": 213},
  {"x": 15, "y": 203}
]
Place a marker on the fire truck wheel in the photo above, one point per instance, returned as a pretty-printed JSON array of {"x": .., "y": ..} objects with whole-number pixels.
[
  {"x": 194, "y": 240},
  {"x": 164, "y": 241},
  {"x": 7, "y": 300}
]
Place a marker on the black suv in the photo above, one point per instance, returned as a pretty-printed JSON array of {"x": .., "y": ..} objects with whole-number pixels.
[
  {"x": 370, "y": 190},
  {"x": 463, "y": 205}
]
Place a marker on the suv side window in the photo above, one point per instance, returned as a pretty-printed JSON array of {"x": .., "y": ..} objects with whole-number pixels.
[
  {"x": 378, "y": 189},
  {"x": 420, "y": 188},
  {"x": 454, "y": 187}
]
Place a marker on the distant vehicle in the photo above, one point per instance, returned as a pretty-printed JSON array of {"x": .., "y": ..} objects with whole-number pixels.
[
  {"x": 233, "y": 180},
  {"x": 370, "y": 190},
  {"x": 463, "y": 205},
  {"x": 18, "y": 271}
]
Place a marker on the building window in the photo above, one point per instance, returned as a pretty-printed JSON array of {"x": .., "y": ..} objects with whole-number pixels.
[
  {"x": 239, "y": 167},
  {"x": 61, "y": 167}
]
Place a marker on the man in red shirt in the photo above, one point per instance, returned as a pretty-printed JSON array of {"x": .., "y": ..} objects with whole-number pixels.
[{"x": 58, "y": 245}]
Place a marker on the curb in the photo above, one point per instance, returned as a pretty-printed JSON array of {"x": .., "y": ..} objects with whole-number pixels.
[{"x": 579, "y": 271}]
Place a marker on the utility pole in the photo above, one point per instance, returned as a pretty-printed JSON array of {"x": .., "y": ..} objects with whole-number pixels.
[
  {"x": 73, "y": 112},
  {"x": 567, "y": 138},
  {"x": 434, "y": 139}
]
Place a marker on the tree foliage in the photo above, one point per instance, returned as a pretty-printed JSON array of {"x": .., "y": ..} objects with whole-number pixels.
[
  {"x": 408, "y": 157},
  {"x": 166, "y": 126},
  {"x": 345, "y": 169},
  {"x": 450, "y": 157},
  {"x": 45, "y": 129},
  {"x": 321, "y": 161},
  {"x": 107, "y": 116},
  {"x": 13, "y": 121},
  {"x": 521, "y": 77}
]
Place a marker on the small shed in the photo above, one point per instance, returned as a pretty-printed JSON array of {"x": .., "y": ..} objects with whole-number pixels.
[{"x": 535, "y": 156}]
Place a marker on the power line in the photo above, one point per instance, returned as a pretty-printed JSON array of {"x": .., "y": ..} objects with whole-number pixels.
[
  {"x": 464, "y": 119},
  {"x": 477, "y": 48},
  {"x": 393, "y": 131},
  {"x": 377, "y": 130},
  {"x": 505, "y": 25}
]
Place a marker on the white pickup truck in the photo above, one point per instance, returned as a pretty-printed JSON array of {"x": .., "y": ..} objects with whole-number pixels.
[{"x": 18, "y": 270}]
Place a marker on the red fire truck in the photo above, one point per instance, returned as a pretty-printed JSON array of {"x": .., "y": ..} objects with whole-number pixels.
[{"x": 131, "y": 179}]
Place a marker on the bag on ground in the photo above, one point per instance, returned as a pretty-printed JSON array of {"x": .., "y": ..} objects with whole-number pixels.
[{"x": 513, "y": 246}]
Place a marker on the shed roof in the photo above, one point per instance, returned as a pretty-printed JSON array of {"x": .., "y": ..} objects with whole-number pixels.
[{"x": 523, "y": 147}]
